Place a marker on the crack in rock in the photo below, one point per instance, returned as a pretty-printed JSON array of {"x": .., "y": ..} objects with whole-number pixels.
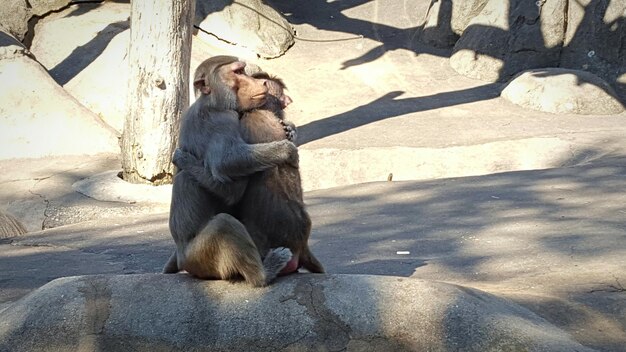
[
  {"x": 328, "y": 326},
  {"x": 97, "y": 295}
]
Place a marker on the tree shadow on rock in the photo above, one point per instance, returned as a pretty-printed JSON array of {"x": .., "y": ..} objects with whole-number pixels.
[
  {"x": 84, "y": 55},
  {"x": 387, "y": 107}
]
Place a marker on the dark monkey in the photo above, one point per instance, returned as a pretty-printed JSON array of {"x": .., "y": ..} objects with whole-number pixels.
[
  {"x": 272, "y": 208},
  {"x": 209, "y": 242}
]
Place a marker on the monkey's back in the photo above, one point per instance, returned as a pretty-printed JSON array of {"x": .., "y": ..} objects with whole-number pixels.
[
  {"x": 261, "y": 126},
  {"x": 272, "y": 203}
]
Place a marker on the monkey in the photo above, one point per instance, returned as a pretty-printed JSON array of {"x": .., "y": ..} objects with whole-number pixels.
[
  {"x": 267, "y": 123},
  {"x": 211, "y": 243},
  {"x": 10, "y": 226},
  {"x": 272, "y": 207}
]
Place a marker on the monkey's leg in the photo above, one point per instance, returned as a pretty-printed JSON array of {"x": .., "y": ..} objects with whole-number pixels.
[
  {"x": 190, "y": 209},
  {"x": 224, "y": 250},
  {"x": 275, "y": 261}
]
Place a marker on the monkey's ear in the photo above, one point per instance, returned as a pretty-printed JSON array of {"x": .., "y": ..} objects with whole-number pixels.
[
  {"x": 285, "y": 100},
  {"x": 200, "y": 85}
]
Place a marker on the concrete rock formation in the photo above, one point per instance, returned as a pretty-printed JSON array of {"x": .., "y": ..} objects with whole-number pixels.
[
  {"x": 298, "y": 313},
  {"x": 39, "y": 117},
  {"x": 246, "y": 23},
  {"x": 15, "y": 14},
  {"x": 446, "y": 20},
  {"x": 508, "y": 37},
  {"x": 10, "y": 226},
  {"x": 559, "y": 90}
]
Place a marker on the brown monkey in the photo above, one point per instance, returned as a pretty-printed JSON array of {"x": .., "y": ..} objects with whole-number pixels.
[
  {"x": 209, "y": 242},
  {"x": 272, "y": 208}
]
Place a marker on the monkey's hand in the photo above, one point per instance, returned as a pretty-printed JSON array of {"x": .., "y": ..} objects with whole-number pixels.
[
  {"x": 292, "y": 157},
  {"x": 184, "y": 160},
  {"x": 290, "y": 130}
]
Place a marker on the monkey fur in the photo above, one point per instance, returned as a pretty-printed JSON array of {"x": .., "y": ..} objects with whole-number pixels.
[
  {"x": 210, "y": 243},
  {"x": 272, "y": 208}
]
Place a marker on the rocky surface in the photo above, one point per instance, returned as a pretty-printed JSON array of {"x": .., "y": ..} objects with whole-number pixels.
[
  {"x": 249, "y": 24},
  {"x": 446, "y": 20},
  {"x": 297, "y": 313},
  {"x": 510, "y": 36},
  {"x": 39, "y": 117},
  {"x": 563, "y": 91}
]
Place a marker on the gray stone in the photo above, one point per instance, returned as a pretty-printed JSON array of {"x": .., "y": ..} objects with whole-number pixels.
[
  {"x": 298, "y": 313},
  {"x": 246, "y": 23},
  {"x": 39, "y": 118},
  {"x": 81, "y": 61},
  {"x": 43, "y": 7},
  {"x": 446, "y": 20},
  {"x": 595, "y": 40},
  {"x": 10, "y": 226},
  {"x": 10, "y": 46},
  {"x": 563, "y": 91},
  {"x": 510, "y": 36},
  {"x": 14, "y": 16}
]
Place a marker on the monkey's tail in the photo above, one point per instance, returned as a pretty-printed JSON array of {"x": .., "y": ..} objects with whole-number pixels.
[
  {"x": 171, "y": 267},
  {"x": 310, "y": 263}
]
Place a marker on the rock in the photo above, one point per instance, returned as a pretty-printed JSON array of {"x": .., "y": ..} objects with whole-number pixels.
[
  {"x": 246, "y": 23},
  {"x": 10, "y": 226},
  {"x": 42, "y": 7},
  {"x": 10, "y": 46},
  {"x": 304, "y": 312},
  {"x": 446, "y": 20},
  {"x": 38, "y": 117},
  {"x": 109, "y": 187},
  {"x": 560, "y": 90},
  {"x": 510, "y": 36},
  {"x": 99, "y": 50},
  {"x": 15, "y": 14},
  {"x": 92, "y": 64},
  {"x": 595, "y": 39}
]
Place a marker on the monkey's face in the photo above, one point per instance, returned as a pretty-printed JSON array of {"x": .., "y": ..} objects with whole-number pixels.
[
  {"x": 223, "y": 80},
  {"x": 251, "y": 92},
  {"x": 275, "y": 91}
]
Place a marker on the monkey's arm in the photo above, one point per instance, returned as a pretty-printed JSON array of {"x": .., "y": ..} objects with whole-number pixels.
[
  {"x": 229, "y": 192},
  {"x": 242, "y": 159}
]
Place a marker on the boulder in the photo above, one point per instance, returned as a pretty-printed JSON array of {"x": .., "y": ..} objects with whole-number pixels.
[
  {"x": 92, "y": 64},
  {"x": 38, "y": 117},
  {"x": 15, "y": 14},
  {"x": 99, "y": 50},
  {"x": 560, "y": 90},
  {"x": 510, "y": 36},
  {"x": 595, "y": 40},
  {"x": 446, "y": 20},
  {"x": 304, "y": 312},
  {"x": 246, "y": 23},
  {"x": 10, "y": 226}
]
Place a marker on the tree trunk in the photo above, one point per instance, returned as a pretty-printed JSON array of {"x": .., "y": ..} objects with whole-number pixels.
[{"x": 159, "y": 56}]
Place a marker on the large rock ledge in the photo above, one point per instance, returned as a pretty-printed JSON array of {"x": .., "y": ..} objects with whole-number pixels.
[{"x": 153, "y": 312}]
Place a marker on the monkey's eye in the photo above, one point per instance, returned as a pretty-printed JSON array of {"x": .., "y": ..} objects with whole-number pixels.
[{"x": 239, "y": 71}]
